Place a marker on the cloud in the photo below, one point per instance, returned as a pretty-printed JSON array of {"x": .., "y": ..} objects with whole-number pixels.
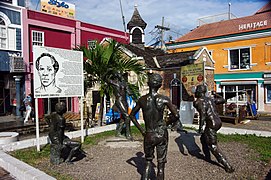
[{"x": 181, "y": 16}]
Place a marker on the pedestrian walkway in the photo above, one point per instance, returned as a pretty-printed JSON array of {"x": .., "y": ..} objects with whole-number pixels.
[
  {"x": 12, "y": 122},
  {"x": 21, "y": 170},
  {"x": 4, "y": 175},
  {"x": 231, "y": 130}
]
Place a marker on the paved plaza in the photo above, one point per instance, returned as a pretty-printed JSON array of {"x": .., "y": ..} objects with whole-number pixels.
[{"x": 258, "y": 127}]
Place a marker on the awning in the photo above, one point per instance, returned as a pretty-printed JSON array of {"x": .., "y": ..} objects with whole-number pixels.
[{"x": 237, "y": 82}]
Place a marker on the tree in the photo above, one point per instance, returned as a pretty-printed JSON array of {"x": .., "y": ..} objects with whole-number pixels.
[{"x": 100, "y": 64}]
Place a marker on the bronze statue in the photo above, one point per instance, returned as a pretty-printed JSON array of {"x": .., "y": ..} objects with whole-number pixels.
[
  {"x": 206, "y": 106},
  {"x": 156, "y": 134},
  {"x": 121, "y": 90},
  {"x": 60, "y": 142}
]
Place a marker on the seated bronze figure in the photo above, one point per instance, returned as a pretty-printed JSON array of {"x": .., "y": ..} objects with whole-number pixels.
[{"x": 62, "y": 147}]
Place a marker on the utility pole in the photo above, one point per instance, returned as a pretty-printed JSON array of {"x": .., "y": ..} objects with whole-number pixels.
[
  {"x": 229, "y": 13},
  {"x": 123, "y": 20},
  {"x": 27, "y": 4},
  {"x": 162, "y": 29}
]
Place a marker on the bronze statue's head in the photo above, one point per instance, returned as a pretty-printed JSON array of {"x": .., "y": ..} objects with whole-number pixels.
[
  {"x": 155, "y": 80},
  {"x": 61, "y": 108},
  {"x": 200, "y": 91}
]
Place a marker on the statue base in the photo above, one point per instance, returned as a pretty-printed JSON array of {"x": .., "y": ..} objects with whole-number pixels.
[{"x": 120, "y": 142}]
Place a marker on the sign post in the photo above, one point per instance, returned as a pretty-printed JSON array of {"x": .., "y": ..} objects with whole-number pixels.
[
  {"x": 81, "y": 114},
  {"x": 37, "y": 125}
]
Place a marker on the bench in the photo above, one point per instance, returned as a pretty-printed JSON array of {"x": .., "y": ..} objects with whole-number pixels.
[{"x": 233, "y": 120}]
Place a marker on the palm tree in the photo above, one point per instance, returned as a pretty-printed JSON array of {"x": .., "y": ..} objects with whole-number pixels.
[{"x": 101, "y": 62}]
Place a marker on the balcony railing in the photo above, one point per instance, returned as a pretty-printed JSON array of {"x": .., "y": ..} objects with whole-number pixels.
[{"x": 17, "y": 64}]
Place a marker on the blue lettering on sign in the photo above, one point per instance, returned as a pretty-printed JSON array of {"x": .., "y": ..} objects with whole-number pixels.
[{"x": 58, "y": 4}]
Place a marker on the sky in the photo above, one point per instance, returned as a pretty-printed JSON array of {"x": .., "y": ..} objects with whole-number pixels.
[{"x": 180, "y": 16}]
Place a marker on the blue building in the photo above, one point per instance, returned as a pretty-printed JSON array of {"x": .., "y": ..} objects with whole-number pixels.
[{"x": 12, "y": 67}]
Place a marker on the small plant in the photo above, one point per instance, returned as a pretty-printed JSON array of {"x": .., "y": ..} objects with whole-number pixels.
[
  {"x": 31, "y": 156},
  {"x": 260, "y": 144}
]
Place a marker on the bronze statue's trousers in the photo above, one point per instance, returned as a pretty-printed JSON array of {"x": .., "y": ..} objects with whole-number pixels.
[{"x": 209, "y": 142}]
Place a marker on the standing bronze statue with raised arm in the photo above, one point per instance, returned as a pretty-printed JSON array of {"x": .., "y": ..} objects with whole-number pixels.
[
  {"x": 206, "y": 106},
  {"x": 155, "y": 134},
  {"x": 120, "y": 91}
]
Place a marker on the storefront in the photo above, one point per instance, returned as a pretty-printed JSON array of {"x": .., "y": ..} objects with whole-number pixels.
[
  {"x": 242, "y": 54},
  {"x": 267, "y": 91},
  {"x": 241, "y": 88}
]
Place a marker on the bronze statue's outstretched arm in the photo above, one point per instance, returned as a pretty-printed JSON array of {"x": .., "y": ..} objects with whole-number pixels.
[
  {"x": 173, "y": 109},
  {"x": 133, "y": 118},
  {"x": 218, "y": 99},
  {"x": 47, "y": 119},
  {"x": 114, "y": 83}
]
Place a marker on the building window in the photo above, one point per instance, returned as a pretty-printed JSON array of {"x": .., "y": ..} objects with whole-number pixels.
[
  {"x": 3, "y": 34},
  {"x": 268, "y": 93},
  {"x": 239, "y": 58},
  {"x": 37, "y": 38},
  {"x": 92, "y": 44},
  {"x": 241, "y": 94},
  {"x": 137, "y": 36}
]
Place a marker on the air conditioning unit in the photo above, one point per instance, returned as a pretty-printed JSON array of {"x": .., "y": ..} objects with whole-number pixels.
[{"x": 17, "y": 64}]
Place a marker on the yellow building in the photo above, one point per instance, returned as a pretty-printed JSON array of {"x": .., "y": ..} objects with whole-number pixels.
[{"x": 241, "y": 49}]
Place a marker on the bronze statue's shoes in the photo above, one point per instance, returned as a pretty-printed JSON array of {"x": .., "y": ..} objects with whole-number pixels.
[
  {"x": 68, "y": 162},
  {"x": 229, "y": 169},
  {"x": 130, "y": 138},
  {"x": 120, "y": 135}
]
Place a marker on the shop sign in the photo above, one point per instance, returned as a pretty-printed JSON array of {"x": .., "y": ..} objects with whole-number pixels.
[
  {"x": 252, "y": 25},
  {"x": 58, "y": 7},
  {"x": 191, "y": 76}
]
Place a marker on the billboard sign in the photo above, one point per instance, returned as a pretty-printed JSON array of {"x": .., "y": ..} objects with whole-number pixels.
[
  {"x": 191, "y": 76},
  {"x": 59, "y": 8},
  {"x": 57, "y": 72}
]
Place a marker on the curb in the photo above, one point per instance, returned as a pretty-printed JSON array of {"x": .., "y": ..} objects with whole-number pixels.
[
  {"x": 21, "y": 170},
  {"x": 228, "y": 130}
]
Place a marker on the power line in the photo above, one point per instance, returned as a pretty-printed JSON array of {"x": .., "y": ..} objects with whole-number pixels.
[{"x": 37, "y": 4}]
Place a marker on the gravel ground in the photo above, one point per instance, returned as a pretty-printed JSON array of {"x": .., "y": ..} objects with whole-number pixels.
[
  {"x": 260, "y": 125},
  {"x": 125, "y": 163}
]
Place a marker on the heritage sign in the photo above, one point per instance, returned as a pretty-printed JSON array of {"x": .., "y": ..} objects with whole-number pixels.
[{"x": 252, "y": 25}]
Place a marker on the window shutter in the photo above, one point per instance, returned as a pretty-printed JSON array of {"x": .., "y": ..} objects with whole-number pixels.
[{"x": 11, "y": 38}]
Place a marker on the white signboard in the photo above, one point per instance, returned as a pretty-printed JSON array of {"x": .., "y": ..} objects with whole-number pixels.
[{"x": 57, "y": 72}]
